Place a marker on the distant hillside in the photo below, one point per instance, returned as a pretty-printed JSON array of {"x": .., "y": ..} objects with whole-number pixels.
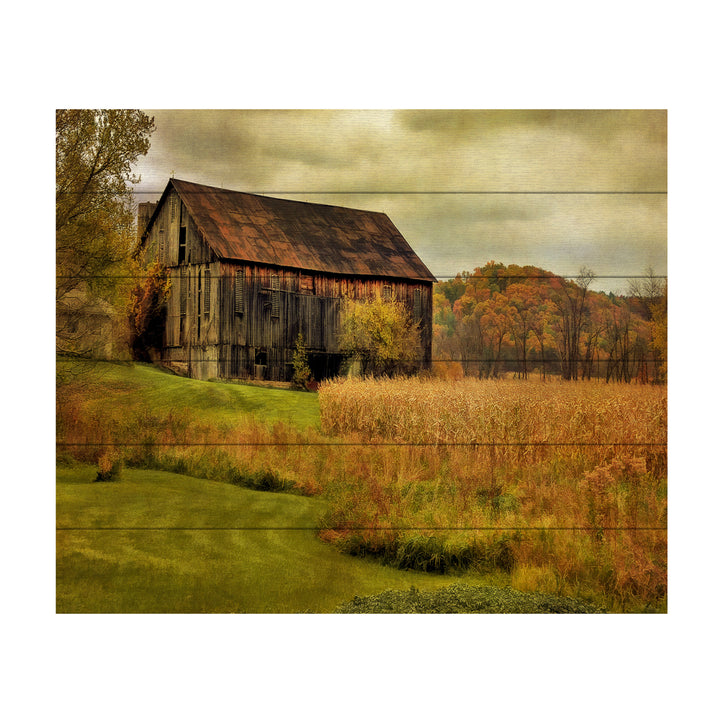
[{"x": 499, "y": 319}]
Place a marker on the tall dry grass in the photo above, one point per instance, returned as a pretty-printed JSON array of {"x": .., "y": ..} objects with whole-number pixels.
[
  {"x": 499, "y": 411},
  {"x": 562, "y": 484}
]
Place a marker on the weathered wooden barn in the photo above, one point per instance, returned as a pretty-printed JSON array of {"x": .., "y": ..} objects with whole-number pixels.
[{"x": 250, "y": 272}]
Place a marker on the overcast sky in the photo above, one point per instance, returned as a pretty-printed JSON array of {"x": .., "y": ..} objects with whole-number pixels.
[{"x": 556, "y": 189}]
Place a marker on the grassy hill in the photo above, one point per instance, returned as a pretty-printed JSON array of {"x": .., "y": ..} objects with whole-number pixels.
[
  {"x": 161, "y": 542},
  {"x": 139, "y": 386}
]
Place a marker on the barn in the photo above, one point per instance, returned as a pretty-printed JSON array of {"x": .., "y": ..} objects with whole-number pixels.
[{"x": 250, "y": 272}]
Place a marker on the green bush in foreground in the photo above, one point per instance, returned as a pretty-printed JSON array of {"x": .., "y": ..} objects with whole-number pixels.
[
  {"x": 460, "y": 598},
  {"x": 428, "y": 553},
  {"x": 263, "y": 480}
]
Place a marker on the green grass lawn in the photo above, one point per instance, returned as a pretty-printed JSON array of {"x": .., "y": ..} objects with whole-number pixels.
[
  {"x": 160, "y": 542},
  {"x": 139, "y": 386}
]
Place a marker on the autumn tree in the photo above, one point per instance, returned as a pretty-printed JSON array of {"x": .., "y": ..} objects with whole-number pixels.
[
  {"x": 471, "y": 341},
  {"x": 380, "y": 334},
  {"x": 94, "y": 215},
  {"x": 452, "y": 289},
  {"x": 471, "y": 334},
  {"x": 522, "y": 300},
  {"x": 659, "y": 334},
  {"x": 618, "y": 339},
  {"x": 541, "y": 314},
  {"x": 495, "y": 320},
  {"x": 651, "y": 292},
  {"x": 592, "y": 334},
  {"x": 446, "y": 339}
]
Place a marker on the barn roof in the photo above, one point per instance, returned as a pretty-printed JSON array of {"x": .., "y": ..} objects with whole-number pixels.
[{"x": 302, "y": 235}]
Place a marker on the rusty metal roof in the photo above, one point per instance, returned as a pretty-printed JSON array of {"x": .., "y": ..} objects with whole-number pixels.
[{"x": 302, "y": 235}]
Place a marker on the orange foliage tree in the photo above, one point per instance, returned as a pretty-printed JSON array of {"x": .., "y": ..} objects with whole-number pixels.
[{"x": 147, "y": 312}]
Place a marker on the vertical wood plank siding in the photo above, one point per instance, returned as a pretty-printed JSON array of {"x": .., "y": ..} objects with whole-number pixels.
[{"x": 234, "y": 320}]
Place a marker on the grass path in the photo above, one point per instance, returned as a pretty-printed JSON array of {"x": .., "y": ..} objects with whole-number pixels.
[{"x": 230, "y": 549}]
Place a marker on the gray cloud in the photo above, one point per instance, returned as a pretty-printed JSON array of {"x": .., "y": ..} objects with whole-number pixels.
[{"x": 399, "y": 162}]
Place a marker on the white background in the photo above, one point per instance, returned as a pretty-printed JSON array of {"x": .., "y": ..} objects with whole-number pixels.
[{"x": 369, "y": 55}]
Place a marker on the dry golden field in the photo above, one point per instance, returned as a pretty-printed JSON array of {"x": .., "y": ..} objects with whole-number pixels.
[
  {"x": 564, "y": 485},
  {"x": 495, "y": 411}
]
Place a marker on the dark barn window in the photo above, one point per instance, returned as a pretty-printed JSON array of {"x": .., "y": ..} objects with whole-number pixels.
[
  {"x": 182, "y": 245},
  {"x": 206, "y": 299},
  {"x": 199, "y": 302},
  {"x": 275, "y": 296},
  {"x": 239, "y": 292},
  {"x": 417, "y": 305},
  {"x": 183, "y": 301}
]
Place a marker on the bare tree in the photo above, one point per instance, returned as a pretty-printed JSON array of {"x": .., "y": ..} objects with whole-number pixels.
[{"x": 571, "y": 301}]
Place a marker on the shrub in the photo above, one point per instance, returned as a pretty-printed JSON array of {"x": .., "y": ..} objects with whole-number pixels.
[
  {"x": 267, "y": 481},
  {"x": 426, "y": 553},
  {"x": 65, "y": 459},
  {"x": 460, "y": 598},
  {"x": 109, "y": 467},
  {"x": 302, "y": 377}
]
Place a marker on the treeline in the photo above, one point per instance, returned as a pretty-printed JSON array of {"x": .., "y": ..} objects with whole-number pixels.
[{"x": 501, "y": 319}]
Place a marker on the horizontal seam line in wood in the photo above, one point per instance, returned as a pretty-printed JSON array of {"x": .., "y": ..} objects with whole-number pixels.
[
  {"x": 533, "y": 361},
  {"x": 385, "y": 192},
  {"x": 468, "y": 279},
  {"x": 385, "y": 527},
  {"x": 369, "y": 444}
]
